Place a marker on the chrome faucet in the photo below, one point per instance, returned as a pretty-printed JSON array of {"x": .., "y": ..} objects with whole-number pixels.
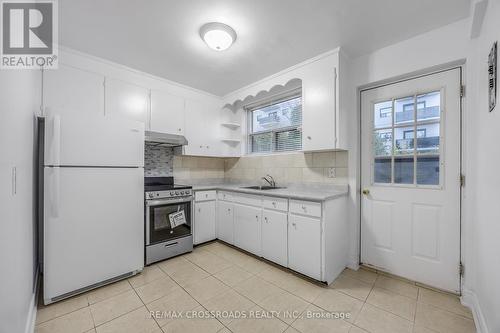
[{"x": 270, "y": 181}]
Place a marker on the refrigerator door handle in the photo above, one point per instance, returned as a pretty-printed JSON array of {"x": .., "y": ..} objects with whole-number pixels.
[
  {"x": 55, "y": 192},
  {"x": 56, "y": 143}
]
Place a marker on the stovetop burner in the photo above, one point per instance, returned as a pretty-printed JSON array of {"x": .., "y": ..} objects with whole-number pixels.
[{"x": 158, "y": 187}]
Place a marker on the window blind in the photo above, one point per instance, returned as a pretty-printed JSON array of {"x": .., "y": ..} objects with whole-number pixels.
[{"x": 276, "y": 126}]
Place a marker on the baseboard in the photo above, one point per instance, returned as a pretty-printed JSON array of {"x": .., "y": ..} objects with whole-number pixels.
[
  {"x": 353, "y": 264},
  {"x": 30, "y": 321},
  {"x": 470, "y": 300}
]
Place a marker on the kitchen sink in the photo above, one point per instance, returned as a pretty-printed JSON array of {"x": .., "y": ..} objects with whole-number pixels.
[{"x": 263, "y": 188}]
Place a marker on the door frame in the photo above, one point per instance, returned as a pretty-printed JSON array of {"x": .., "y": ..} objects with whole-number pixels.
[{"x": 428, "y": 72}]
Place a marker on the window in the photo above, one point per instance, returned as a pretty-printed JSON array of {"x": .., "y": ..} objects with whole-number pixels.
[
  {"x": 399, "y": 156},
  {"x": 385, "y": 112},
  {"x": 276, "y": 126},
  {"x": 421, "y": 133}
]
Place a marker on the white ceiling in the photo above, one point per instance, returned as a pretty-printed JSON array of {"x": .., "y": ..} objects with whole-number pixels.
[{"x": 161, "y": 36}]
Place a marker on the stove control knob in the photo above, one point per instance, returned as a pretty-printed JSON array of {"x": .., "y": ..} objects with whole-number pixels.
[
  {"x": 150, "y": 195},
  {"x": 182, "y": 192},
  {"x": 171, "y": 193},
  {"x": 176, "y": 192}
]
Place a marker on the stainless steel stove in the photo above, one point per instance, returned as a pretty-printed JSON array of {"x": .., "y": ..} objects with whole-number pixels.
[{"x": 168, "y": 222}]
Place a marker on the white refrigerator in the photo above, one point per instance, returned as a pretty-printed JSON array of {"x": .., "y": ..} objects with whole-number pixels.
[{"x": 92, "y": 181}]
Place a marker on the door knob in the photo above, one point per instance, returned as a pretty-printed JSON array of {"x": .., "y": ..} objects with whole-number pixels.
[{"x": 366, "y": 191}]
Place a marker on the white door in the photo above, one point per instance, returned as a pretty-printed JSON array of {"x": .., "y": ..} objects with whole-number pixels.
[
  {"x": 204, "y": 222},
  {"x": 247, "y": 228},
  {"x": 167, "y": 113},
  {"x": 225, "y": 221},
  {"x": 93, "y": 226},
  {"x": 274, "y": 236},
  {"x": 126, "y": 100},
  {"x": 410, "y": 178},
  {"x": 304, "y": 245}
]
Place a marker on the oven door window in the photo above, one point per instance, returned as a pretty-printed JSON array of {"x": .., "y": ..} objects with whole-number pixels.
[{"x": 161, "y": 227}]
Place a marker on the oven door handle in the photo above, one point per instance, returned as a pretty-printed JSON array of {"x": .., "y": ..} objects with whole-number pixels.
[{"x": 161, "y": 202}]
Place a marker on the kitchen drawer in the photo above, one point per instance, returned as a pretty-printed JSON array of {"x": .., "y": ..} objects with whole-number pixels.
[
  {"x": 247, "y": 199},
  {"x": 204, "y": 195},
  {"x": 275, "y": 203},
  {"x": 226, "y": 196},
  {"x": 309, "y": 208}
]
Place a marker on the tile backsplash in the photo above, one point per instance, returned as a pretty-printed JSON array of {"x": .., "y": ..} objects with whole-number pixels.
[
  {"x": 290, "y": 168},
  {"x": 193, "y": 169},
  {"x": 285, "y": 168},
  {"x": 158, "y": 161}
]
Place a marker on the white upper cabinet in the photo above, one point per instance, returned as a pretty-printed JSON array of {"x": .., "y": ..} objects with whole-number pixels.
[
  {"x": 69, "y": 91},
  {"x": 167, "y": 113},
  {"x": 126, "y": 100},
  {"x": 202, "y": 128},
  {"x": 319, "y": 104}
]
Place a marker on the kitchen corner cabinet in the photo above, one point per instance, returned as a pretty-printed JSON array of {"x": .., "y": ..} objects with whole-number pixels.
[
  {"x": 202, "y": 126},
  {"x": 126, "y": 100},
  {"x": 167, "y": 113},
  {"x": 204, "y": 220}
]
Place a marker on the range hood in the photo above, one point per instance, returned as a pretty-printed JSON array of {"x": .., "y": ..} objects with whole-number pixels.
[{"x": 164, "y": 139}]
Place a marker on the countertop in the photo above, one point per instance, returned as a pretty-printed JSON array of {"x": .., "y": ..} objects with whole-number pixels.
[{"x": 295, "y": 191}]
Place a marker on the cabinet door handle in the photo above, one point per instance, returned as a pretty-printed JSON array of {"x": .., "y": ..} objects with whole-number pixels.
[
  {"x": 257, "y": 217},
  {"x": 274, "y": 204},
  {"x": 308, "y": 137},
  {"x": 294, "y": 225},
  {"x": 304, "y": 208},
  {"x": 199, "y": 210},
  {"x": 265, "y": 219},
  {"x": 179, "y": 129}
]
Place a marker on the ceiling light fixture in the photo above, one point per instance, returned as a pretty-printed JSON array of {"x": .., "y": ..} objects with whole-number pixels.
[{"x": 218, "y": 36}]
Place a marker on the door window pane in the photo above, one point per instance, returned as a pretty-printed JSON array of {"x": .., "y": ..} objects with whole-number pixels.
[
  {"x": 383, "y": 169},
  {"x": 429, "y": 106},
  {"x": 404, "y": 110},
  {"x": 382, "y": 142},
  {"x": 382, "y": 114},
  {"x": 403, "y": 140},
  {"x": 403, "y": 170},
  {"x": 406, "y": 140},
  {"x": 428, "y": 170},
  {"x": 428, "y": 140}
]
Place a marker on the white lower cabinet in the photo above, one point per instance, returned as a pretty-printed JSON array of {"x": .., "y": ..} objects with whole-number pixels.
[
  {"x": 204, "y": 219},
  {"x": 274, "y": 236},
  {"x": 247, "y": 226},
  {"x": 225, "y": 218},
  {"x": 304, "y": 245}
]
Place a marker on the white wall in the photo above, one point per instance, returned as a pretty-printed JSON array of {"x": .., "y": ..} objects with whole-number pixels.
[
  {"x": 483, "y": 181},
  {"x": 19, "y": 100}
]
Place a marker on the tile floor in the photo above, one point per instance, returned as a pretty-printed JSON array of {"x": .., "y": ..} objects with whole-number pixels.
[{"x": 216, "y": 277}]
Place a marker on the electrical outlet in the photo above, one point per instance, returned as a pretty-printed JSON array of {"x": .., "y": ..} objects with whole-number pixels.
[{"x": 331, "y": 173}]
